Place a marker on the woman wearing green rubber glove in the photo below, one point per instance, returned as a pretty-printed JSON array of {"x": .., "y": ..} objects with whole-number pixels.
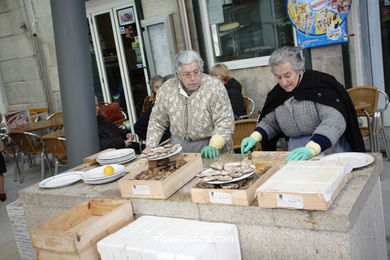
[
  {"x": 195, "y": 107},
  {"x": 310, "y": 107}
]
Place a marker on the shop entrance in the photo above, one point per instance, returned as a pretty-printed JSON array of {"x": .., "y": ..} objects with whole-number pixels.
[
  {"x": 384, "y": 8},
  {"x": 116, "y": 50}
]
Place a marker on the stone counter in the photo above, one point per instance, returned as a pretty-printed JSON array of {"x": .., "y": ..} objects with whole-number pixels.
[{"x": 352, "y": 228}]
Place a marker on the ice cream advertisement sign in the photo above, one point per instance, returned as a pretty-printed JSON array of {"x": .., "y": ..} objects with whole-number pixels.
[{"x": 319, "y": 22}]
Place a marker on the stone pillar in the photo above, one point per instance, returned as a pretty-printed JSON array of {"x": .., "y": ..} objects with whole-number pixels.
[{"x": 75, "y": 77}]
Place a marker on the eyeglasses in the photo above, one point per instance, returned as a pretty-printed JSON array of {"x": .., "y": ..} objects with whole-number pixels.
[{"x": 188, "y": 75}]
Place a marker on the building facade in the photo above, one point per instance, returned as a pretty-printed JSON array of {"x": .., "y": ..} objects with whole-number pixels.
[{"x": 132, "y": 40}]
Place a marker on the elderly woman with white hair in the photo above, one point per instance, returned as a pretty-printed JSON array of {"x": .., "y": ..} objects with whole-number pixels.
[
  {"x": 195, "y": 107},
  {"x": 310, "y": 107}
]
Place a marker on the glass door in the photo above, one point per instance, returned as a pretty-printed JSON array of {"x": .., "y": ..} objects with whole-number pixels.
[
  {"x": 117, "y": 49},
  {"x": 385, "y": 35}
]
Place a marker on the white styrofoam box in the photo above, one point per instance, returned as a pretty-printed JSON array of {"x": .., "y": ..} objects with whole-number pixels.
[
  {"x": 152, "y": 237},
  {"x": 18, "y": 221}
]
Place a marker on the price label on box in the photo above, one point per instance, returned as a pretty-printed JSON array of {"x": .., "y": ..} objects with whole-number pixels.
[
  {"x": 141, "y": 189},
  {"x": 220, "y": 197}
]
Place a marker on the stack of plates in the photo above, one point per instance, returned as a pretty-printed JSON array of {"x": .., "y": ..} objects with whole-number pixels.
[
  {"x": 116, "y": 157},
  {"x": 97, "y": 176}
]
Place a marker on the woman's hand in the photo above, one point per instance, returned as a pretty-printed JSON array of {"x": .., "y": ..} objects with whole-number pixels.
[
  {"x": 247, "y": 144},
  {"x": 300, "y": 154},
  {"x": 127, "y": 143},
  {"x": 130, "y": 136},
  {"x": 209, "y": 152},
  {"x": 147, "y": 149}
]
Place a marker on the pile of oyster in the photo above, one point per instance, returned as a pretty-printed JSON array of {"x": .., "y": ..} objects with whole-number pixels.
[
  {"x": 163, "y": 170},
  {"x": 226, "y": 172},
  {"x": 160, "y": 151}
]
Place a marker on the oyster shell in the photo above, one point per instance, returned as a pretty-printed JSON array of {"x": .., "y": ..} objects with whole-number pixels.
[{"x": 217, "y": 165}]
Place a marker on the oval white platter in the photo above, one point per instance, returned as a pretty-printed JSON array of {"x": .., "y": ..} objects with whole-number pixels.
[
  {"x": 178, "y": 150},
  {"x": 61, "y": 180},
  {"x": 357, "y": 160}
]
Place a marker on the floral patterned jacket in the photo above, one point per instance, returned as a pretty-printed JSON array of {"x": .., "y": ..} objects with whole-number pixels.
[{"x": 209, "y": 112}]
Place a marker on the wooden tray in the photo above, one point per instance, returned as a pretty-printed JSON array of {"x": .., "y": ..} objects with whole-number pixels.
[
  {"x": 236, "y": 197},
  {"x": 159, "y": 189},
  {"x": 301, "y": 200},
  {"x": 74, "y": 233}
]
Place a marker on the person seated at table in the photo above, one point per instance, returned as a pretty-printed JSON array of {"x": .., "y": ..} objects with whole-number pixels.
[
  {"x": 111, "y": 136},
  {"x": 233, "y": 87},
  {"x": 155, "y": 83},
  {"x": 3, "y": 195},
  {"x": 310, "y": 107},
  {"x": 141, "y": 126}
]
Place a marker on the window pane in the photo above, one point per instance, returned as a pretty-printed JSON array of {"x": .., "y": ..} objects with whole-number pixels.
[{"x": 248, "y": 29}]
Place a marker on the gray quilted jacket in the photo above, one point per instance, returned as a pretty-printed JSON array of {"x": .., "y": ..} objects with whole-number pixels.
[
  {"x": 304, "y": 118},
  {"x": 209, "y": 112}
]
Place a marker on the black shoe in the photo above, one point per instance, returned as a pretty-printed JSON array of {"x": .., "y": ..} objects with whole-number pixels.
[{"x": 3, "y": 196}]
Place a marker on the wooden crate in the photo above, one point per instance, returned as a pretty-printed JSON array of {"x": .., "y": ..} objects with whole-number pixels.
[
  {"x": 235, "y": 197},
  {"x": 74, "y": 233},
  {"x": 160, "y": 189},
  {"x": 91, "y": 160},
  {"x": 299, "y": 200}
]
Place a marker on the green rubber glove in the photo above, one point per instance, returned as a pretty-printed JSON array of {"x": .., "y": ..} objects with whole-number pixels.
[
  {"x": 209, "y": 152},
  {"x": 300, "y": 154},
  {"x": 247, "y": 144}
]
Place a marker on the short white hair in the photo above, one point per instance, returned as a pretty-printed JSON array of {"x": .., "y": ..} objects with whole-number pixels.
[
  {"x": 187, "y": 57},
  {"x": 287, "y": 54}
]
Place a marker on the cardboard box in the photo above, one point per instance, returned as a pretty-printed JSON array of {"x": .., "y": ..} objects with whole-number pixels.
[
  {"x": 160, "y": 189},
  {"x": 237, "y": 197},
  {"x": 311, "y": 185},
  {"x": 74, "y": 233},
  {"x": 17, "y": 218}
]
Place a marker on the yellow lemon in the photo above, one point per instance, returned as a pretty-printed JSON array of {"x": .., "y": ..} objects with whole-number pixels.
[{"x": 108, "y": 170}]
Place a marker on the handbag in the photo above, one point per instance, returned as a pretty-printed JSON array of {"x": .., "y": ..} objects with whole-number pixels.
[
  {"x": 111, "y": 111},
  {"x": 1, "y": 145}
]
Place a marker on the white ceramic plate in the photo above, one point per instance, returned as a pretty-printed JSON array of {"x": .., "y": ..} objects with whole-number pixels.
[
  {"x": 117, "y": 161},
  {"x": 98, "y": 172},
  {"x": 168, "y": 155},
  {"x": 357, "y": 160},
  {"x": 61, "y": 180},
  {"x": 116, "y": 154},
  {"x": 234, "y": 179},
  {"x": 107, "y": 180},
  {"x": 102, "y": 178}
]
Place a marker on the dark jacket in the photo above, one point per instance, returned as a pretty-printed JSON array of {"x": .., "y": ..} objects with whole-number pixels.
[
  {"x": 141, "y": 126},
  {"x": 111, "y": 136},
  {"x": 234, "y": 88},
  {"x": 324, "y": 89}
]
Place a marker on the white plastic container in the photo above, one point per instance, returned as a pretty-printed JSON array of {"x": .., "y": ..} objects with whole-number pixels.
[{"x": 152, "y": 237}]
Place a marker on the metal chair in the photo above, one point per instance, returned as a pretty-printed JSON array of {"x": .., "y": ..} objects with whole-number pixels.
[
  {"x": 30, "y": 144},
  {"x": 56, "y": 146},
  {"x": 249, "y": 107},
  {"x": 365, "y": 97},
  {"x": 378, "y": 127},
  {"x": 243, "y": 128},
  {"x": 55, "y": 115}
]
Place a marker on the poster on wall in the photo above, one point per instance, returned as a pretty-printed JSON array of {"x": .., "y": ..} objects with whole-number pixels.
[
  {"x": 15, "y": 119},
  {"x": 319, "y": 22},
  {"x": 126, "y": 16}
]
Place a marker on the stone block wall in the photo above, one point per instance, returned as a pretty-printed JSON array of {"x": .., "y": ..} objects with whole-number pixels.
[{"x": 21, "y": 78}]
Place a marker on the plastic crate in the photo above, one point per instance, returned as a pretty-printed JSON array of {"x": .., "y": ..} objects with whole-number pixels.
[{"x": 17, "y": 218}]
